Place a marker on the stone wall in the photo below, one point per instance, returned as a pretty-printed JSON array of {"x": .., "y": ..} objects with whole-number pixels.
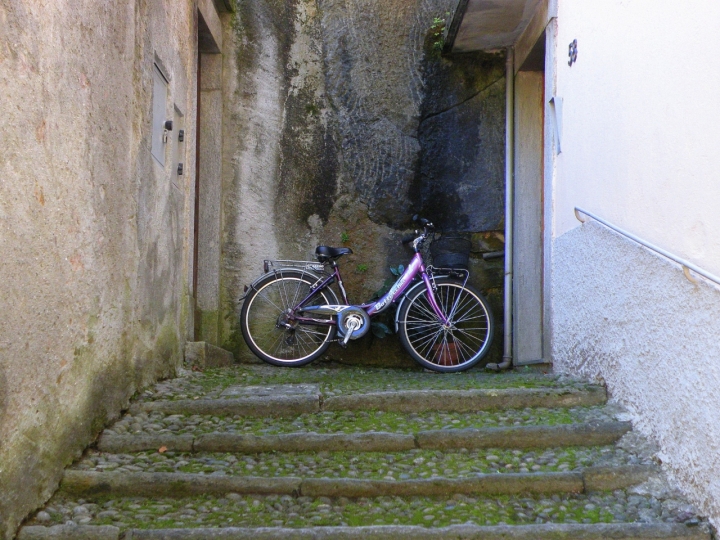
[
  {"x": 94, "y": 232},
  {"x": 341, "y": 123}
]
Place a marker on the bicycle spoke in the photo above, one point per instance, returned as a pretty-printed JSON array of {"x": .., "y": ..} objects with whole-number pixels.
[
  {"x": 455, "y": 305},
  {"x": 421, "y": 338},
  {"x": 275, "y": 347},
  {"x": 465, "y": 315},
  {"x": 430, "y": 342},
  {"x": 303, "y": 343},
  {"x": 441, "y": 350},
  {"x": 425, "y": 307},
  {"x": 462, "y": 346},
  {"x": 417, "y": 323},
  {"x": 478, "y": 339},
  {"x": 285, "y": 298},
  {"x": 296, "y": 296},
  {"x": 308, "y": 331},
  {"x": 264, "y": 297}
]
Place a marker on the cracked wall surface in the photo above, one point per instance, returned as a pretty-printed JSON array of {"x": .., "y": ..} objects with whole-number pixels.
[
  {"x": 341, "y": 123},
  {"x": 94, "y": 231}
]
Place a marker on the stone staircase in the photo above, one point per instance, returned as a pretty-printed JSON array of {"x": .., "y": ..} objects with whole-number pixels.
[{"x": 345, "y": 452}]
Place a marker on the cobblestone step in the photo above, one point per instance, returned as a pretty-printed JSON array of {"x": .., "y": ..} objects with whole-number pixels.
[
  {"x": 257, "y": 452},
  {"x": 287, "y": 512},
  {"x": 627, "y": 531},
  {"x": 588, "y": 434},
  {"x": 356, "y": 421},
  {"x": 334, "y": 380},
  {"x": 88, "y": 483},
  {"x": 284, "y": 402},
  {"x": 413, "y": 464}
]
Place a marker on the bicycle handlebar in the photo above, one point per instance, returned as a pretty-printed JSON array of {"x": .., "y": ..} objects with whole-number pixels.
[
  {"x": 424, "y": 222},
  {"x": 417, "y": 236}
]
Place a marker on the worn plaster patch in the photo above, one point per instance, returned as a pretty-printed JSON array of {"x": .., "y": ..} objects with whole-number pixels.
[{"x": 272, "y": 390}]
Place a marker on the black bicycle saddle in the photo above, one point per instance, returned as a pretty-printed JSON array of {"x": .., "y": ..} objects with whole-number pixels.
[{"x": 325, "y": 253}]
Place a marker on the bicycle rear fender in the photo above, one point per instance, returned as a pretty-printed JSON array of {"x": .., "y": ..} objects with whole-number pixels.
[{"x": 279, "y": 271}]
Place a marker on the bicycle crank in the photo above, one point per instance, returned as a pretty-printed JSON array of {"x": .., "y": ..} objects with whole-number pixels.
[{"x": 353, "y": 323}]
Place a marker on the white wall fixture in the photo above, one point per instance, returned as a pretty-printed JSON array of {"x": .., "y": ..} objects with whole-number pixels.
[
  {"x": 556, "y": 104},
  {"x": 572, "y": 52},
  {"x": 159, "y": 139}
]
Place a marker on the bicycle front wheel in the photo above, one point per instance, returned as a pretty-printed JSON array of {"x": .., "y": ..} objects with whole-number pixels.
[
  {"x": 267, "y": 325},
  {"x": 456, "y": 346}
]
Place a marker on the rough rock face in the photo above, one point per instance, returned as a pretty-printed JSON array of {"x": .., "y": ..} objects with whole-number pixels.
[
  {"x": 340, "y": 126},
  {"x": 461, "y": 133}
]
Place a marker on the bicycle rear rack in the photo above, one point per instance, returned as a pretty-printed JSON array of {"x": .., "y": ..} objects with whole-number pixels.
[
  {"x": 458, "y": 273},
  {"x": 270, "y": 265}
]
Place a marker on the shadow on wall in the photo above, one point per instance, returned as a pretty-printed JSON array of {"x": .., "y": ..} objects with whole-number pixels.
[
  {"x": 460, "y": 180},
  {"x": 33, "y": 463},
  {"x": 86, "y": 398}
]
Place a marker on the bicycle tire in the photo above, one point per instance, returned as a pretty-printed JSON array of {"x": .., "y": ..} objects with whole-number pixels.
[
  {"x": 457, "y": 347},
  {"x": 263, "y": 308}
]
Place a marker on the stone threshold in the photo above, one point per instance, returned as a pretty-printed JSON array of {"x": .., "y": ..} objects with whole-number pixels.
[
  {"x": 582, "y": 434},
  {"x": 123, "y": 484},
  {"x": 599, "y": 531},
  {"x": 395, "y": 401}
]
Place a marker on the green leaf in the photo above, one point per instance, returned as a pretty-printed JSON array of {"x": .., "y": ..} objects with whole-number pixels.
[
  {"x": 384, "y": 327},
  {"x": 395, "y": 271},
  {"x": 385, "y": 288},
  {"x": 380, "y": 330},
  {"x": 401, "y": 269}
]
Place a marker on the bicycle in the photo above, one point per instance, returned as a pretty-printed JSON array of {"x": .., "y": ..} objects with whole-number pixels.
[{"x": 443, "y": 323}]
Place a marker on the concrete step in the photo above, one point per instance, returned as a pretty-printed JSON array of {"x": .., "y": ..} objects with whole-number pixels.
[
  {"x": 286, "y": 401},
  {"x": 201, "y": 355},
  {"x": 600, "y": 531}
]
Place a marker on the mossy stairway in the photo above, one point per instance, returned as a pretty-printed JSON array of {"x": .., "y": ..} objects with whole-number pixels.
[{"x": 345, "y": 452}]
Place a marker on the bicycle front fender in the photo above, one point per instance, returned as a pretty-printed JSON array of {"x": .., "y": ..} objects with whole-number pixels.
[{"x": 404, "y": 298}]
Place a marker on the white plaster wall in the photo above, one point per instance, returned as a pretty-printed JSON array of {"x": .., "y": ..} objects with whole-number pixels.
[
  {"x": 630, "y": 317},
  {"x": 640, "y": 128},
  {"x": 640, "y": 134}
]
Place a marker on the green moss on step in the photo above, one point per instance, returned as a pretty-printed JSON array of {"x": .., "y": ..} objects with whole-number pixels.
[{"x": 275, "y": 511}]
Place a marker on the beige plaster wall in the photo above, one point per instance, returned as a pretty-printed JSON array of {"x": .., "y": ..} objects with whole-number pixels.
[{"x": 94, "y": 233}]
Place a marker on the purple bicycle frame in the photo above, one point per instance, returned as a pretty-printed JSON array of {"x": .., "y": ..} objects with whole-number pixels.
[{"x": 415, "y": 267}]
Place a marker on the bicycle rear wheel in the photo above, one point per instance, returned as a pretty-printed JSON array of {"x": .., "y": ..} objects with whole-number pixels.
[
  {"x": 447, "y": 348},
  {"x": 264, "y": 320}
]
